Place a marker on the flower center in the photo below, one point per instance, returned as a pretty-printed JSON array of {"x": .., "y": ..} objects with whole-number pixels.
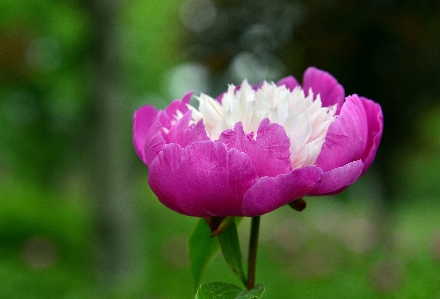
[{"x": 305, "y": 120}]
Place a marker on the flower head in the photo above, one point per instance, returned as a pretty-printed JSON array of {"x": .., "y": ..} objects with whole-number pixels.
[{"x": 256, "y": 148}]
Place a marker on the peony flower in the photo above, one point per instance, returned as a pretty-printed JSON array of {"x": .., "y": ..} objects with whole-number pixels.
[{"x": 257, "y": 148}]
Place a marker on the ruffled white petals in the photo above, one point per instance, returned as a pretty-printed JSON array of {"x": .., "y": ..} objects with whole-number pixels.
[{"x": 305, "y": 120}]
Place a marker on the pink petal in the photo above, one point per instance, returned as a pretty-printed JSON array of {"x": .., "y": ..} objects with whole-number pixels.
[
  {"x": 219, "y": 98},
  {"x": 269, "y": 152},
  {"x": 234, "y": 138},
  {"x": 143, "y": 118},
  {"x": 154, "y": 141},
  {"x": 204, "y": 179},
  {"x": 375, "y": 129},
  {"x": 270, "y": 193},
  {"x": 338, "y": 178},
  {"x": 180, "y": 105},
  {"x": 290, "y": 82},
  {"x": 326, "y": 85},
  {"x": 346, "y": 137},
  {"x": 184, "y": 134}
]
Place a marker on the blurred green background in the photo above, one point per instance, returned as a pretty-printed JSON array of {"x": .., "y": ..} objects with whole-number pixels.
[{"x": 77, "y": 218}]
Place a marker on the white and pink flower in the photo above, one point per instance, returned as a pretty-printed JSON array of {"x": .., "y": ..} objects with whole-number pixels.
[{"x": 257, "y": 148}]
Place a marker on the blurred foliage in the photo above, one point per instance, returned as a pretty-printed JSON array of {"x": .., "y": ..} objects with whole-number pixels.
[
  {"x": 42, "y": 87},
  {"x": 386, "y": 50},
  {"x": 151, "y": 47}
]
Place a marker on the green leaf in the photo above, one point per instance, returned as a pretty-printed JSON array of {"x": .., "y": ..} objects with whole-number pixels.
[
  {"x": 231, "y": 250},
  {"x": 220, "y": 290},
  {"x": 256, "y": 292},
  {"x": 202, "y": 248}
]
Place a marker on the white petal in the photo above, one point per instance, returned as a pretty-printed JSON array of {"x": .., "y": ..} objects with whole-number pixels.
[{"x": 305, "y": 120}]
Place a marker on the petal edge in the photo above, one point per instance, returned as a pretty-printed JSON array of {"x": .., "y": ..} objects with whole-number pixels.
[
  {"x": 270, "y": 193},
  {"x": 338, "y": 178}
]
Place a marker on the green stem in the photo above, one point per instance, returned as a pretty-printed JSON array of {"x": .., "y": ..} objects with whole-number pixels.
[{"x": 253, "y": 245}]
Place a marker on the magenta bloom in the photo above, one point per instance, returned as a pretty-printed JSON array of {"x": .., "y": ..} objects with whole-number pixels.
[{"x": 254, "y": 149}]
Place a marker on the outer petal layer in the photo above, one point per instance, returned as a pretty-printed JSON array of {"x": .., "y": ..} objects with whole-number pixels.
[
  {"x": 142, "y": 120},
  {"x": 346, "y": 137},
  {"x": 204, "y": 179},
  {"x": 184, "y": 134},
  {"x": 375, "y": 129},
  {"x": 338, "y": 178},
  {"x": 326, "y": 85},
  {"x": 179, "y": 105},
  {"x": 269, "y": 152},
  {"x": 154, "y": 141},
  {"x": 270, "y": 193},
  {"x": 290, "y": 82}
]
